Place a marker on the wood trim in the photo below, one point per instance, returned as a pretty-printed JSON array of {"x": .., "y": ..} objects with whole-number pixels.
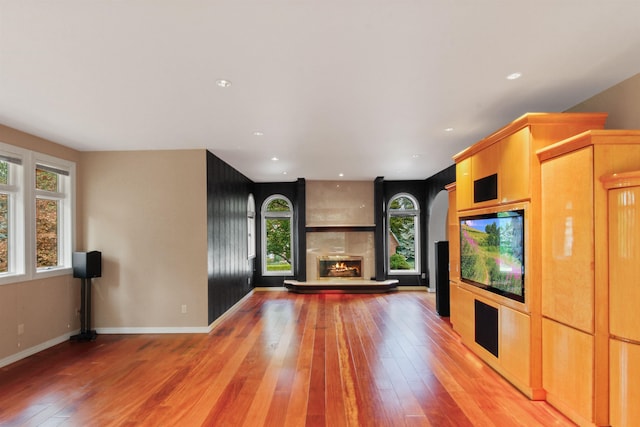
[
  {"x": 597, "y": 120},
  {"x": 587, "y": 138},
  {"x": 620, "y": 180}
]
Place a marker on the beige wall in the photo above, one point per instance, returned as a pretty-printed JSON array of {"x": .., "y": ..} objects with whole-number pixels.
[
  {"x": 620, "y": 101},
  {"x": 146, "y": 212},
  {"x": 45, "y": 307}
]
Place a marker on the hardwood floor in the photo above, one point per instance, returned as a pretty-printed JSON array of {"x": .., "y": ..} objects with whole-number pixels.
[{"x": 278, "y": 359}]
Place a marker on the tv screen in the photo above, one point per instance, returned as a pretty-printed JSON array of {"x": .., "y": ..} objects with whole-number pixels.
[{"x": 492, "y": 252}]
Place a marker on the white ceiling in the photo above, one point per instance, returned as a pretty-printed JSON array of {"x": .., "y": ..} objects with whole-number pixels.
[{"x": 363, "y": 88}]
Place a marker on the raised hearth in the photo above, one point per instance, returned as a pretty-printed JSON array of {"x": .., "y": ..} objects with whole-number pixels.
[{"x": 341, "y": 286}]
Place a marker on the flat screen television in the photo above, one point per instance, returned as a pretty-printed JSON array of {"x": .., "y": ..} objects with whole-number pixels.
[{"x": 492, "y": 252}]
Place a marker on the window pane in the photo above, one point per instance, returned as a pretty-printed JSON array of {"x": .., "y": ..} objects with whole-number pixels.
[
  {"x": 47, "y": 232},
  {"x": 4, "y": 232},
  {"x": 4, "y": 172},
  {"x": 46, "y": 180},
  {"x": 278, "y": 205},
  {"x": 403, "y": 203},
  {"x": 402, "y": 247},
  {"x": 278, "y": 256}
]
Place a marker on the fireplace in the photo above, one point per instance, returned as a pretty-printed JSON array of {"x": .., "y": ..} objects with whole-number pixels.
[{"x": 339, "y": 267}]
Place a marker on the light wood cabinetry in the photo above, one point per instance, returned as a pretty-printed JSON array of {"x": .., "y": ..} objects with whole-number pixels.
[
  {"x": 453, "y": 234},
  {"x": 502, "y": 172},
  {"x": 624, "y": 295},
  {"x": 589, "y": 285},
  {"x": 454, "y": 255},
  {"x": 509, "y": 153}
]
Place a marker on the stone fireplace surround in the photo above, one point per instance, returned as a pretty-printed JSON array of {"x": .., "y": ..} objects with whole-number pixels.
[{"x": 340, "y": 222}]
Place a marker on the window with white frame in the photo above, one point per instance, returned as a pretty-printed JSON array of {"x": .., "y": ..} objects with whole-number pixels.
[
  {"x": 277, "y": 236},
  {"x": 52, "y": 215},
  {"x": 36, "y": 214},
  {"x": 403, "y": 234},
  {"x": 11, "y": 213}
]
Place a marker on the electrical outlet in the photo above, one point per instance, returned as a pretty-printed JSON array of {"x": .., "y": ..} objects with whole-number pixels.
[
  {"x": 184, "y": 308},
  {"x": 21, "y": 329}
]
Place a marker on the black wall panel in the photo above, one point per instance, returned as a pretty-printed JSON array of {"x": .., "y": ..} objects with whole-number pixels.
[
  {"x": 417, "y": 189},
  {"x": 230, "y": 272},
  {"x": 296, "y": 193}
]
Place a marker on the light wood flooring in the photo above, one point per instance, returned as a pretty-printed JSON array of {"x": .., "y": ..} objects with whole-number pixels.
[{"x": 277, "y": 359}]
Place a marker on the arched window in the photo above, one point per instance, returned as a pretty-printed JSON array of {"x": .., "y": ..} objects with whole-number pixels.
[
  {"x": 277, "y": 236},
  {"x": 251, "y": 227},
  {"x": 403, "y": 235}
]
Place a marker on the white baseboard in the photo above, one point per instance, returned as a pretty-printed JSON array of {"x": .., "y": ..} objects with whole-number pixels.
[
  {"x": 154, "y": 330},
  {"x": 36, "y": 349}
]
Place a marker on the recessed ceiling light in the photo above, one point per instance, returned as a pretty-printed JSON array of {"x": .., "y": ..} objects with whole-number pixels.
[
  {"x": 258, "y": 133},
  {"x": 448, "y": 130},
  {"x": 415, "y": 156},
  {"x": 284, "y": 173},
  {"x": 275, "y": 159},
  {"x": 341, "y": 174},
  {"x": 514, "y": 76},
  {"x": 223, "y": 83}
]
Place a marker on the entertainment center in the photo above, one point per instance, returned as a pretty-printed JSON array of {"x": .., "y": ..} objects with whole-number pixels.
[
  {"x": 544, "y": 235},
  {"x": 498, "y": 175}
]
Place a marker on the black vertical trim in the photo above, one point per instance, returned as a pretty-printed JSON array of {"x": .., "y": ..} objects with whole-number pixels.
[
  {"x": 380, "y": 217},
  {"x": 301, "y": 222}
]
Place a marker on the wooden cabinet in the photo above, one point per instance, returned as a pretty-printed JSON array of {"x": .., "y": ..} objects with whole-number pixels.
[
  {"x": 502, "y": 172},
  {"x": 588, "y": 281},
  {"x": 624, "y": 295},
  {"x": 453, "y": 234},
  {"x": 509, "y": 155}
]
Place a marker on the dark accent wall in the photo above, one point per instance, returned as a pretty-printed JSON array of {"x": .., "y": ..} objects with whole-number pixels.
[
  {"x": 434, "y": 185},
  {"x": 417, "y": 190},
  {"x": 230, "y": 272},
  {"x": 296, "y": 193},
  {"x": 380, "y": 217},
  {"x": 425, "y": 192}
]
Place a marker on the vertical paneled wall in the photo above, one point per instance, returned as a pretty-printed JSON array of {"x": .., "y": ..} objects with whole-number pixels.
[{"x": 229, "y": 270}]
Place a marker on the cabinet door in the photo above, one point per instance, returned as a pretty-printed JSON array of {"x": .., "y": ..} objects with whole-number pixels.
[
  {"x": 484, "y": 164},
  {"x": 515, "y": 165},
  {"x": 464, "y": 185},
  {"x": 625, "y": 383},
  {"x": 567, "y": 370},
  {"x": 624, "y": 262},
  {"x": 567, "y": 239},
  {"x": 515, "y": 343}
]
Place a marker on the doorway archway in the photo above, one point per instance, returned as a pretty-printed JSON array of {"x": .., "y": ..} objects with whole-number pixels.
[{"x": 437, "y": 232}]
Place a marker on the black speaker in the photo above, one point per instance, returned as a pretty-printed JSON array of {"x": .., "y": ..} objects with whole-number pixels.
[
  {"x": 485, "y": 188},
  {"x": 442, "y": 278},
  {"x": 486, "y": 325},
  {"x": 87, "y": 264}
]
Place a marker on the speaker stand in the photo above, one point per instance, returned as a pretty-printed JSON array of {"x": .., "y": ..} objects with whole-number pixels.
[{"x": 86, "y": 334}]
